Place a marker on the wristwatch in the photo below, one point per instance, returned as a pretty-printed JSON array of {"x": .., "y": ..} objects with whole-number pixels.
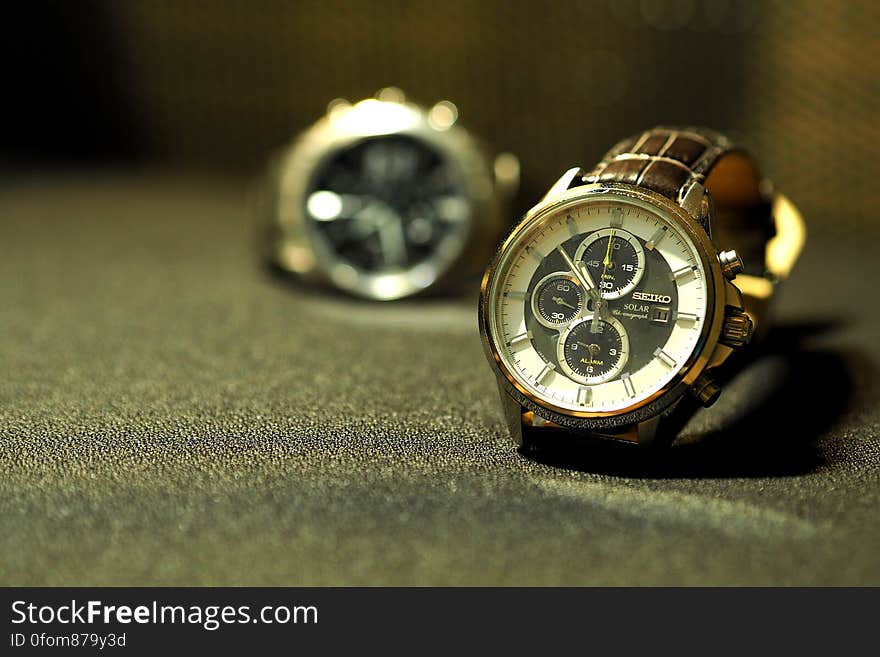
[
  {"x": 384, "y": 198},
  {"x": 612, "y": 310}
]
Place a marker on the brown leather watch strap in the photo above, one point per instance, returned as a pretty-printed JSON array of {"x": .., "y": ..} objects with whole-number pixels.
[{"x": 679, "y": 162}]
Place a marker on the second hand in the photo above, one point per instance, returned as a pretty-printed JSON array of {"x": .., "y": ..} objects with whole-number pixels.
[{"x": 606, "y": 262}]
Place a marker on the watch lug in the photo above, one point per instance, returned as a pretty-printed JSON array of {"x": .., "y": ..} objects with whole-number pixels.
[
  {"x": 564, "y": 183},
  {"x": 698, "y": 203},
  {"x": 646, "y": 431},
  {"x": 695, "y": 201},
  {"x": 707, "y": 210},
  {"x": 512, "y": 416}
]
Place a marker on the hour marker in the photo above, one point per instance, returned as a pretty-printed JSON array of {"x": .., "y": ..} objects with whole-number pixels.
[
  {"x": 686, "y": 317},
  {"x": 548, "y": 369},
  {"x": 515, "y": 294},
  {"x": 628, "y": 384},
  {"x": 572, "y": 226},
  {"x": 584, "y": 395},
  {"x": 521, "y": 341},
  {"x": 655, "y": 238},
  {"x": 537, "y": 255},
  {"x": 616, "y": 218},
  {"x": 684, "y": 273},
  {"x": 663, "y": 356}
]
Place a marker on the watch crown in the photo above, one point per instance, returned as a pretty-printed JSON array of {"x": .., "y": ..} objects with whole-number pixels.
[
  {"x": 731, "y": 264},
  {"x": 706, "y": 390},
  {"x": 737, "y": 329}
]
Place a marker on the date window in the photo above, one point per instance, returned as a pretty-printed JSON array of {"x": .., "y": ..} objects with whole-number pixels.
[{"x": 660, "y": 314}]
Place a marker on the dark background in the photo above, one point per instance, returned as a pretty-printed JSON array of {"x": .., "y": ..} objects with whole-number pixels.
[
  {"x": 216, "y": 85},
  {"x": 170, "y": 414}
]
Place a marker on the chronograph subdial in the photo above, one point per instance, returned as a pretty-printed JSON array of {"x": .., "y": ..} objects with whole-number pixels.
[
  {"x": 557, "y": 299},
  {"x": 592, "y": 357},
  {"x": 615, "y": 259}
]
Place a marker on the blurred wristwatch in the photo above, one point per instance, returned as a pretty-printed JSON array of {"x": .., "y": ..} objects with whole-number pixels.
[
  {"x": 610, "y": 309},
  {"x": 384, "y": 198}
]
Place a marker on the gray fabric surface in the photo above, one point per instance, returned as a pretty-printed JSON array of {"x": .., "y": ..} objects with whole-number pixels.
[{"x": 173, "y": 415}]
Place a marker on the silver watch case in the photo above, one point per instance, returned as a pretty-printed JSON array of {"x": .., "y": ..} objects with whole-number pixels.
[{"x": 297, "y": 248}]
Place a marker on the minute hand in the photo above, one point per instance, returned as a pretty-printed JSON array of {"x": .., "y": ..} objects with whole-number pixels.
[
  {"x": 582, "y": 275},
  {"x": 606, "y": 263}
]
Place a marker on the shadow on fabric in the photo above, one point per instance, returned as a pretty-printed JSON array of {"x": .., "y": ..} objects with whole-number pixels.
[{"x": 775, "y": 412}]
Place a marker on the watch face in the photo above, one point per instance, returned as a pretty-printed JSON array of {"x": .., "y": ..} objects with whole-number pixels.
[
  {"x": 596, "y": 306},
  {"x": 387, "y": 205}
]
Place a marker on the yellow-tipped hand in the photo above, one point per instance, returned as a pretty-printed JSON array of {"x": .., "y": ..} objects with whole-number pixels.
[{"x": 606, "y": 261}]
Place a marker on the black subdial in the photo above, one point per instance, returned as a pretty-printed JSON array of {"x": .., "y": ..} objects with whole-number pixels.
[
  {"x": 615, "y": 259},
  {"x": 557, "y": 300},
  {"x": 592, "y": 352}
]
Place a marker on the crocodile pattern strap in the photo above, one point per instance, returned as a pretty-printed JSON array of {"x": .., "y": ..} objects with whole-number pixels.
[
  {"x": 677, "y": 162},
  {"x": 668, "y": 161}
]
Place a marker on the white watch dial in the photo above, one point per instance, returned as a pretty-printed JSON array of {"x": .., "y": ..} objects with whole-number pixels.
[{"x": 597, "y": 305}]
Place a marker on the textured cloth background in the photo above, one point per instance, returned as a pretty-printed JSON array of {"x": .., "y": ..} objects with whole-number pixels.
[
  {"x": 170, "y": 414},
  {"x": 216, "y": 85}
]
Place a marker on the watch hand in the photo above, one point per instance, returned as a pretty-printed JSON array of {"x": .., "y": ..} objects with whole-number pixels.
[
  {"x": 606, "y": 261},
  {"x": 592, "y": 348},
  {"x": 327, "y": 206},
  {"x": 393, "y": 241},
  {"x": 581, "y": 274},
  {"x": 382, "y": 219},
  {"x": 352, "y": 203},
  {"x": 364, "y": 221},
  {"x": 562, "y": 302}
]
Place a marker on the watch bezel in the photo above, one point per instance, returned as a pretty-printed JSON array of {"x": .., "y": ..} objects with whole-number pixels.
[
  {"x": 297, "y": 248},
  {"x": 699, "y": 358}
]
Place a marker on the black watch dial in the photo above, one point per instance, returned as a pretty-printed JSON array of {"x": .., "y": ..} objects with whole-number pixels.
[
  {"x": 593, "y": 351},
  {"x": 388, "y": 203},
  {"x": 557, "y": 299}
]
